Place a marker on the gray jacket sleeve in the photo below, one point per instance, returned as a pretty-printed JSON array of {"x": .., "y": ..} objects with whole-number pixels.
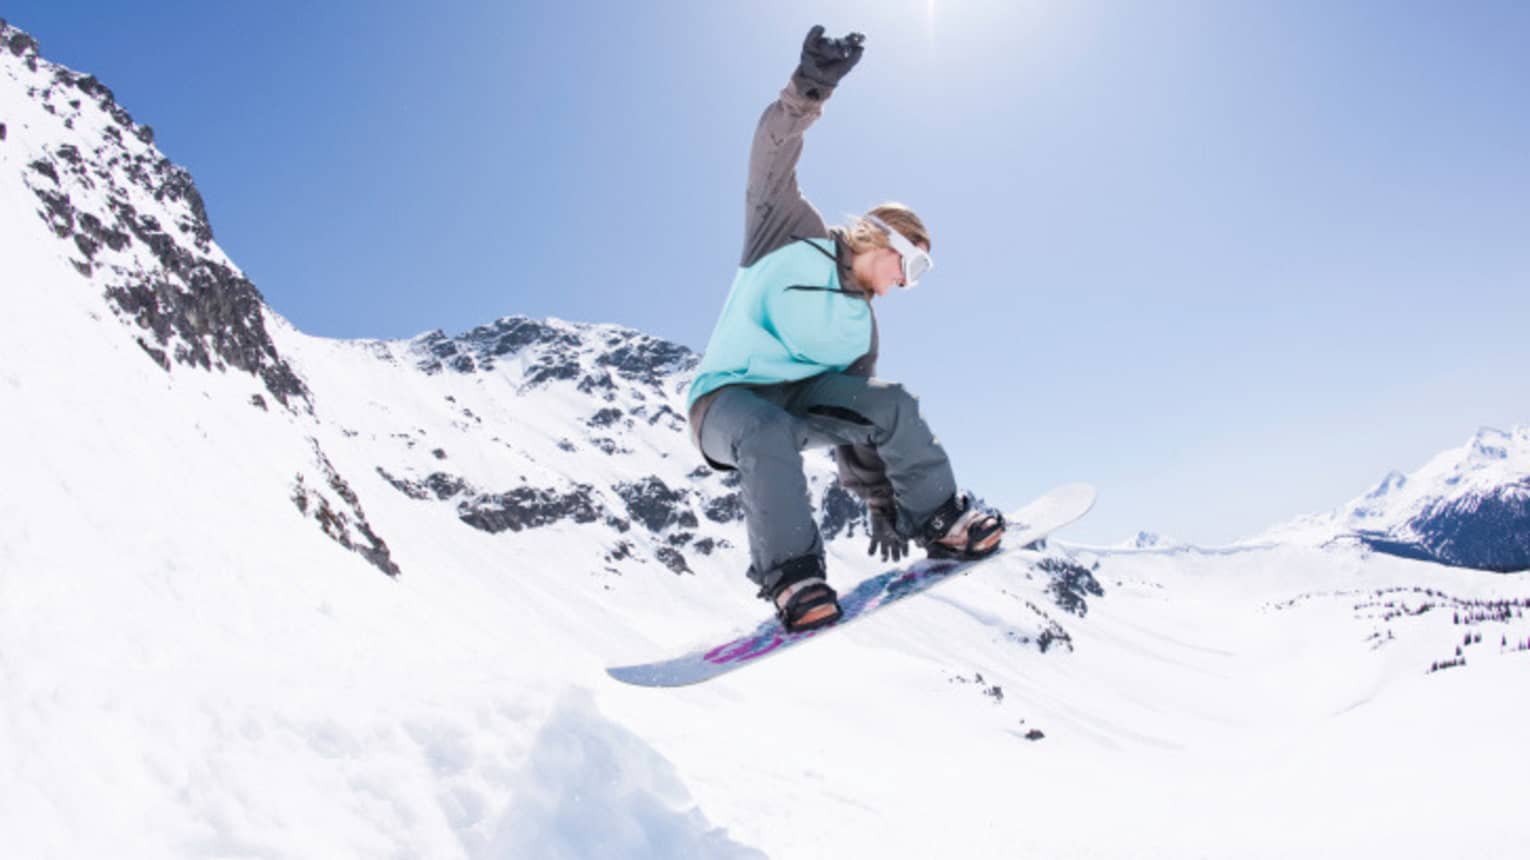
[
  {"x": 775, "y": 215},
  {"x": 774, "y": 208}
]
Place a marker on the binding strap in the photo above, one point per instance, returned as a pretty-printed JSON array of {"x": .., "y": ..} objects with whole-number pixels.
[{"x": 803, "y": 597}]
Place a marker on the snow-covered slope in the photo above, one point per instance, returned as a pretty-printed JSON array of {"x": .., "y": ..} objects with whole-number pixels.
[
  {"x": 268, "y": 594},
  {"x": 202, "y": 654},
  {"x": 1468, "y": 506}
]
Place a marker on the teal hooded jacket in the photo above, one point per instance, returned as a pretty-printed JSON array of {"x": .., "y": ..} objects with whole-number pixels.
[
  {"x": 787, "y": 318},
  {"x": 789, "y": 314}
]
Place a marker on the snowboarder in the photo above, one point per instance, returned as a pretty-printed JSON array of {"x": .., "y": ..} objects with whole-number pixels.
[{"x": 790, "y": 366}]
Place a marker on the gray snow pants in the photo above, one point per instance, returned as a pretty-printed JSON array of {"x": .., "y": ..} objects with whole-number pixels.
[{"x": 762, "y": 430}]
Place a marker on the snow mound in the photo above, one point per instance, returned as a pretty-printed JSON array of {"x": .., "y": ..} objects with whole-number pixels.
[{"x": 590, "y": 788}]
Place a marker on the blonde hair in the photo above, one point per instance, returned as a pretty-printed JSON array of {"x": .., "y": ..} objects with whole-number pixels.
[{"x": 862, "y": 235}]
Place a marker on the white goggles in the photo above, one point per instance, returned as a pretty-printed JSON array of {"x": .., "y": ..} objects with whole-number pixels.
[{"x": 915, "y": 260}]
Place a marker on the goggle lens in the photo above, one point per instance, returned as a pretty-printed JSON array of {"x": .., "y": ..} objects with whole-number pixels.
[{"x": 915, "y": 267}]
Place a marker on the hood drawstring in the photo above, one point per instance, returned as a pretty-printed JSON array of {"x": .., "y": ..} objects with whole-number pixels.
[{"x": 859, "y": 294}]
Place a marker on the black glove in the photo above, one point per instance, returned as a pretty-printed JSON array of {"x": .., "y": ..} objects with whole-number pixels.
[
  {"x": 826, "y": 61},
  {"x": 884, "y": 535}
]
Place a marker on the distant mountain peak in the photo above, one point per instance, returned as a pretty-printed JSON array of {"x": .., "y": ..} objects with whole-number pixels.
[
  {"x": 1491, "y": 444},
  {"x": 1468, "y": 506},
  {"x": 1149, "y": 540},
  {"x": 1393, "y": 482}
]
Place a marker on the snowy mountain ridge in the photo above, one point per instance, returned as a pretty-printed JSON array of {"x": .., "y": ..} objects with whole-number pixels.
[
  {"x": 1467, "y": 506},
  {"x": 263, "y": 593},
  {"x": 524, "y": 424},
  {"x": 132, "y": 224}
]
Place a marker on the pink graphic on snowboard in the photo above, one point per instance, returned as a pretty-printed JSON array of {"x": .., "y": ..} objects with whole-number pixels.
[{"x": 874, "y": 592}]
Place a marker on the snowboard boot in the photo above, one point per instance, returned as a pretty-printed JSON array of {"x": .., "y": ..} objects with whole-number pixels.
[
  {"x": 802, "y": 596},
  {"x": 960, "y": 530}
]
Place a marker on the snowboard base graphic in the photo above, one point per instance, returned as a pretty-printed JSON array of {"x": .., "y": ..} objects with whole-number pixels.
[{"x": 1059, "y": 507}]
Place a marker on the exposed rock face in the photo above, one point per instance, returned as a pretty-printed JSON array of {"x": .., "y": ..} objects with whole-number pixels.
[
  {"x": 646, "y": 360},
  {"x": 134, "y": 228},
  {"x": 216, "y": 320},
  {"x": 342, "y": 519},
  {"x": 513, "y": 510},
  {"x": 554, "y": 353},
  {"x": 528, "y": 507},
  {"x": 655, "y": 506},
  {"x": 843, "y": 513},
  {"x": 480, "y": 348},
  {"x": 672, "y": 559},
  {"x": 1490, "y": 531},
  {"x": 1070, "y": 582},
  {"x": 137, "y": 228},
  {"x": 725, "y": 509}
]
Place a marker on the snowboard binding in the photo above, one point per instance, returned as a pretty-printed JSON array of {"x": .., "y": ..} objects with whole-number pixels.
[
  {"x": 802, "y": 596},
  {"x": 960, "y": 530}
]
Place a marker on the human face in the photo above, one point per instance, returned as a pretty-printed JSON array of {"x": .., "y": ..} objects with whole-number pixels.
[
  {"x": 881, "y": 269},
  {"x": 885, "y": 269}
]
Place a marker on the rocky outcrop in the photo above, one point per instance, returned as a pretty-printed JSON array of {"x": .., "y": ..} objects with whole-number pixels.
[
  {"x": 340, "y": 517},
  {"x": 725, "y": 509},
  {"x": 1070, "y": 583},
  {"x": 645, "y": 360},
  {"x": 652, "y": 504},
  {"x": 601, "y": 360},
  {"x": 137, "y": 228},
  {"x": 842, "y": 513},
  {"x": 516, "y": 509},
  {"x": 530, "y": 507},
  {"x": 1487, "y": 531}
]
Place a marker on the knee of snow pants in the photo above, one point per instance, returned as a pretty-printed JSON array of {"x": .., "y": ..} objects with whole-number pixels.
[
  {"x": 764, "y": 443},
  {"x": 883, "y": 416}
]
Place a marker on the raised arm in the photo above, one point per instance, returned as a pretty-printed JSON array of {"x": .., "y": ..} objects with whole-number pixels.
[{"x": 774, "y": 208}]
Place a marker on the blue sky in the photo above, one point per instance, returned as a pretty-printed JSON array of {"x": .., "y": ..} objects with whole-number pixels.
[{"x": 1230, "y": 261}]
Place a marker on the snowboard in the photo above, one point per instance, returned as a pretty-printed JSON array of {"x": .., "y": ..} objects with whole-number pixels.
[{"x": 1026, "y": 527}]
